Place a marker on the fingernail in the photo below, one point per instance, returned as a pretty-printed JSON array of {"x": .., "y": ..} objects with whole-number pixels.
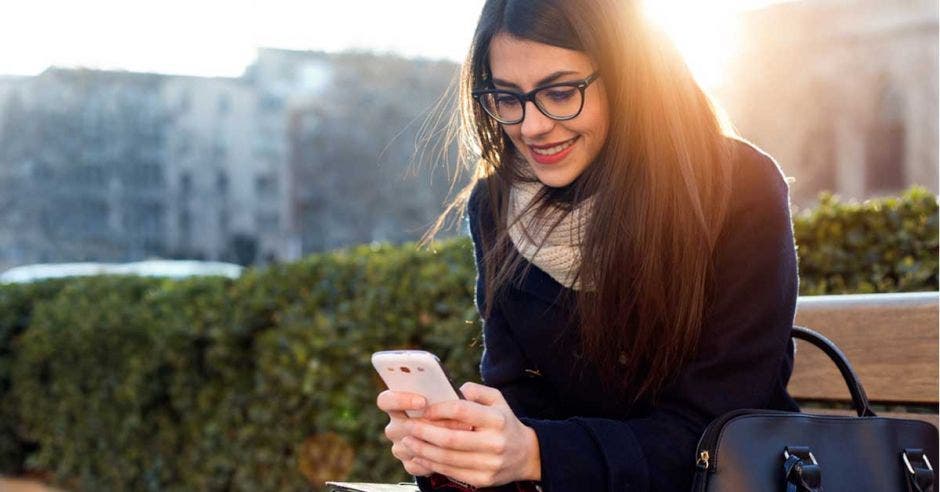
[{"x": 417, "y": 402}]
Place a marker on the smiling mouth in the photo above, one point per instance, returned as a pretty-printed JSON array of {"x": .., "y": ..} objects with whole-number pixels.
[
  {"x": 552, "y": 153},
  {"x": 555, "y": 149}
]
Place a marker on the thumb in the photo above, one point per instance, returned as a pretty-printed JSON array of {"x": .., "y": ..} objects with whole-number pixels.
[{"x": 481, "y": 394}]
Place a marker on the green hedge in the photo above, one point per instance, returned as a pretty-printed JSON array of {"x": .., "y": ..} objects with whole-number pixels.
[
  {"x": 16, "y": 312},
  {"x": 883, "y": 245},
  {"x": 125, "y": 383},
  {"x": 264, "y": 383}
]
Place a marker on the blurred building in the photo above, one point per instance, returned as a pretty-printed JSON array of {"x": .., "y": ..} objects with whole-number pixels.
[
  {"x": 284, "y": 80},
  {"x": 844, "y": 93},
  {"x": 119, "y": 166},
  {"x": 82, "y": 167},
  {"x": 213, "y": 203}
]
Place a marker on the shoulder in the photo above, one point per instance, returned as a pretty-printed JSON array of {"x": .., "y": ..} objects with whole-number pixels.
[
  {"x": 757, "y": 223},
  {"x": 756, "y": 178},
  {"x": 756, "y": 237},
  {"x": 479, "y": 216},
  {"x": 478, "y": 204},
  {"x": 473, "y": 203}
]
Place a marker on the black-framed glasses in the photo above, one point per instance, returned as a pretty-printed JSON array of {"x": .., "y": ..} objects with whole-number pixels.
[{"x": 559, "y": 101}]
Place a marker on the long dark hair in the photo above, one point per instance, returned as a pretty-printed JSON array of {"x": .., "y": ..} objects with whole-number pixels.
[{"x": 661, "y": 185}]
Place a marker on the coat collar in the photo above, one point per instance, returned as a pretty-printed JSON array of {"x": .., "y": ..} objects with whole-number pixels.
[{"x": 540, "y": 284}]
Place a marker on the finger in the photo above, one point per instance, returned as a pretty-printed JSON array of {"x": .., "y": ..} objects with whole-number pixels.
[
  {"x": 452, "y": 424},
  {"x": 465, "y": 411},
  {"x": 396, "y": 429},
  {"x": 406, "y": 456},
  {"x": 401, "y": 451},
  {"x": 461, "y": 459},
  {"x": 412, "y": 467},
  {"x": 458, "y": 440},
  {"x": 475, "y": 478},
  {"x": 389, "y": 400},
  {"x": 481, "y": 394}
]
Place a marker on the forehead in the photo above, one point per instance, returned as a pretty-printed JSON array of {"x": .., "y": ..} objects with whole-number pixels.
[{"x": 524, "y": 62}]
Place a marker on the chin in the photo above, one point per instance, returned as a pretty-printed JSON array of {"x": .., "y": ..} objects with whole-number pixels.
[
  {"x": 555, "y": 181},
  {"x": 556, "y": 184}
]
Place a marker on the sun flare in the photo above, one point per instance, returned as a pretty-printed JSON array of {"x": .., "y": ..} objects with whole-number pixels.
[{"x": 705, "y": 32}]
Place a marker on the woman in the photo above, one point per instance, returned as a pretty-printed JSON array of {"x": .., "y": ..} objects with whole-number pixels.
[{"x": 636, "y": 265}]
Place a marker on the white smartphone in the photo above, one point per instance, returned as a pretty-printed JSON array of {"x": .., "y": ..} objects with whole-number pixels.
[{"x": 415, "y": 371}]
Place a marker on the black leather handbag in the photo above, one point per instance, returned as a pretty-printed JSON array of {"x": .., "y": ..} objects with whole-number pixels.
[{"x": 767, "y": 450}]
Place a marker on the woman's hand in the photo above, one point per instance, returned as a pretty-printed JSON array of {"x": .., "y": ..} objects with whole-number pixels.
[
  {"x": 394, "y": 403},
  {"x": 496, "y": 449}
]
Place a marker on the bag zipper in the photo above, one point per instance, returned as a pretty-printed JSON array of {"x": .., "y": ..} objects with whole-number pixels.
[{"x": 706, "y": 454}]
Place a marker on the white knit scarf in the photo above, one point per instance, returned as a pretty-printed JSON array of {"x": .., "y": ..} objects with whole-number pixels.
[{"x": 560, "y": 254}]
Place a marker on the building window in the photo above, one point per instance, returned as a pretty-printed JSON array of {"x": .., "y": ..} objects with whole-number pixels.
[
  {"x": 268, "y": 222},
  {"x": 185, "y": 223},
  {"x": 265, "y": 184},
  {"x": 886, "y": 153},
  {"x": 186, "y": 185},
  {"x": 150, "y": 174},
  {"x": 221, "y": 183}
]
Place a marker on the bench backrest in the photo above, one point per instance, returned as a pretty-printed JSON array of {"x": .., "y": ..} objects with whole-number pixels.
[{"x": 891, "y": 340}]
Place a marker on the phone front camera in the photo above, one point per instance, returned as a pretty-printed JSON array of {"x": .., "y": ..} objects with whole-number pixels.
[{"x": 405, "y": 369}]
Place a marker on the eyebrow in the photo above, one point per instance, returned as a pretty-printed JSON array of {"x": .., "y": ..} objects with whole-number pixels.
[{"x": 547, "y": 80}]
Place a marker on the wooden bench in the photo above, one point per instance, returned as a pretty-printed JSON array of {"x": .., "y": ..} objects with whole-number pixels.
[{"x": 891, "y": 340}]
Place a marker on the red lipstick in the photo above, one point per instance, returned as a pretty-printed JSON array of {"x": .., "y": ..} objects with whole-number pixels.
[{"x": 564, "y": 148}]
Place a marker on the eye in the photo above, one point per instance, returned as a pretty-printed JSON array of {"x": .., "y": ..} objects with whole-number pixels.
[
  {"x": 506, "y": 100},
  {"x": 559, "y": 94}
]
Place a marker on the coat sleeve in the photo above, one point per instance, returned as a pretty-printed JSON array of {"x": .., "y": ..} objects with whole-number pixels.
[{"x": 744, "y": 358}]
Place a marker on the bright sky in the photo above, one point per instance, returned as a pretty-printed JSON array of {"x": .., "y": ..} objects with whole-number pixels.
[{"x": 219, "y": 37}]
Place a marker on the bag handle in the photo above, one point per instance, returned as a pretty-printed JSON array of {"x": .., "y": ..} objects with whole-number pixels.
[
  {"x": 859, "y": 398},
  {"x": 801, "y": 470}
]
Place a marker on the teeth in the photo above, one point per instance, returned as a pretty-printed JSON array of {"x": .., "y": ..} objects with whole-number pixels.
[{"x": 553, "y": 150}]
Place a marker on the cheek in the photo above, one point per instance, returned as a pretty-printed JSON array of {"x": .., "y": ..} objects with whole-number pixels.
[
  {"x": 596, "y": 133},
  {"x": 602, "y": 130},
  {"x": 595, "y": 130},
  {"x": 598, "y": 118},
  {"x": 599, "y": 132}
]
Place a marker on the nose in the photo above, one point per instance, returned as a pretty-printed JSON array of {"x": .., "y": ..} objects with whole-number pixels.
[{"x": 535, "y": 123}]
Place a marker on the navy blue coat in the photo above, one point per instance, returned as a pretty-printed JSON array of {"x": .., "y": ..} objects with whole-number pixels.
[{"x": 587, "y": 439}]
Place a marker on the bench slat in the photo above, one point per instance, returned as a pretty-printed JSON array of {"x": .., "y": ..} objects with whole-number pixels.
[{"x": 890, "y": 339}]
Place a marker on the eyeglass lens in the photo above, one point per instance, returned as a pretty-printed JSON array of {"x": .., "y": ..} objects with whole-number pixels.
[{"x": 558, "y": 102}]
